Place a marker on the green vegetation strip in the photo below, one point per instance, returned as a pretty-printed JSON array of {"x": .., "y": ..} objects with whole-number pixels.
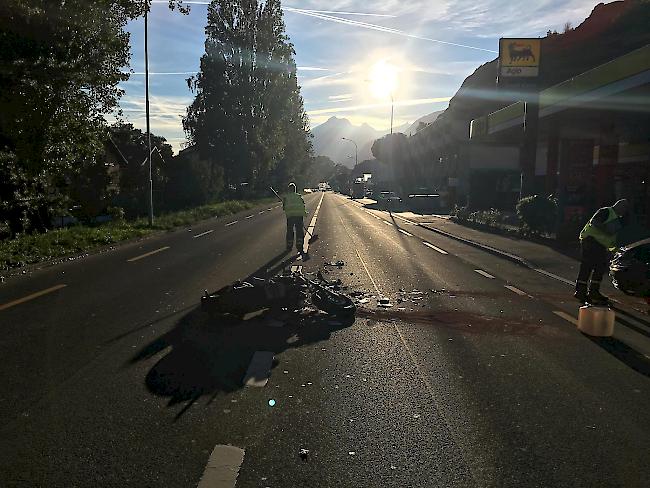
[{"x": 79, "y": 239}]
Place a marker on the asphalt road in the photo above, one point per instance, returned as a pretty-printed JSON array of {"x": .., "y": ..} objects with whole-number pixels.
[{"x": 475, "y": 376}]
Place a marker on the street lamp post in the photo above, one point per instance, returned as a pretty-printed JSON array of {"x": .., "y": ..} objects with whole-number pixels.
[
  {"x": 146, "y": 89},
  {"x": 356, "y": 151},
  {"x": 392, "y": 111}
]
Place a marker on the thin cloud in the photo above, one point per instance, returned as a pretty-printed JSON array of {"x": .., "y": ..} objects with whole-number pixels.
[
  {"x": 162, "y": 73},
  {"x": 340, "y": 97},
  {"x": 336, "y": 12},
  {"x": 379, "y": 28},
  {"x": 311, "y": 68}
]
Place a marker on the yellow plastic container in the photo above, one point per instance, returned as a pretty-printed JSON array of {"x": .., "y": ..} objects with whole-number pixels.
[{"x": 596, "y": 321}]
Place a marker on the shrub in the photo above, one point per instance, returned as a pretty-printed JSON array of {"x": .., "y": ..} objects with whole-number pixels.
[{"x": 537, "y": 214}]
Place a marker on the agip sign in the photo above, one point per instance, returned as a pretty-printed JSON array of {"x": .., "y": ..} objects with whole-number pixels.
[{"x": 519, "y": 57}]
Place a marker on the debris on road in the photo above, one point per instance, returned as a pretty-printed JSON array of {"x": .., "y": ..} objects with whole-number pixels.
[
  {"x": 384, "y": 302},
  {"x": 304, "y": 454},
  {"x": 339, "y": 264}
]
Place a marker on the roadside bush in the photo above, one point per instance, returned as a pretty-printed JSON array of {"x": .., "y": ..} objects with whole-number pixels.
[
  {"x": 537, "y": 214},
  {"x": 460, "y": 214},
  {"x": 491, "y": 218},
  {"x": 116, "y": 213}
]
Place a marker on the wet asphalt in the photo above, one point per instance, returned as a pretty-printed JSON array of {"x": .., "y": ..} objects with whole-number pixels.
[{"x": 119, "y": 379}]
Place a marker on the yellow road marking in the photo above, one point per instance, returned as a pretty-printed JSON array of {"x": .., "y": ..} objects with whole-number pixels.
[
  {"x": 137, "y": 258},
  {"x": 31, "y": 297}
]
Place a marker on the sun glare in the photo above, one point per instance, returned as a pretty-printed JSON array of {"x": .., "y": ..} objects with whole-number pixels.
[{"x": 383, "y": 79}]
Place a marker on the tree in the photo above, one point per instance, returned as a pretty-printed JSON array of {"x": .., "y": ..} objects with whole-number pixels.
[
  {"x": 60, "y": 66},
  {"x": 130, "y": 144},
  {"x": 247, "y": 116}
]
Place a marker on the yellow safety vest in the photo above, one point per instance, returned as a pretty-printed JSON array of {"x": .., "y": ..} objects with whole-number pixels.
[
  {"x": 293, "y": 205},
  {"x": 602, "y": 237}
]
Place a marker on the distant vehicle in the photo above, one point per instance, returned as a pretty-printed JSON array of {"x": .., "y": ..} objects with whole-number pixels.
[
  {"x": 388, "y": 196},
  {"x": 358, "y": 189},
  {"x": 324, "y": 187},
  {"x": 630, "y": 269}
]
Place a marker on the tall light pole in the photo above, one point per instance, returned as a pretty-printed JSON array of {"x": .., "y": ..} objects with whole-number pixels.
[
  {"x": 392, "y": 111},
  {"x": 356, "y": 151},
  {"x": 146, "y": 91}
]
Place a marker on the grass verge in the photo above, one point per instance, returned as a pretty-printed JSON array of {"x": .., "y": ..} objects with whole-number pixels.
[{"x": 36, "y": 248}]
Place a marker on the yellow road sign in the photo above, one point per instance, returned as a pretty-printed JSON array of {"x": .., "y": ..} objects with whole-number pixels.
[{"x": 519, "y": 57}]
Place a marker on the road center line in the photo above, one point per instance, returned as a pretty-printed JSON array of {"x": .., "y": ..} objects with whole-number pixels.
[
  {"x": 259, "y": 370},
  {"x": 484, "y": 273},
  {"x": 232, "y": 223},
  {"x": 387, "y": 222},
  {"x": 566, "y": 317},
  {"x": 516, "y": 290},
  {"x": 142, "y": 256},
  {"x": 203, "y": 234},
  {"x": 222, "y": 468},
  {"x": 261, "y": 212},
  {"x": 428, "y": 244},
  {"x": 405, "y": 233},
  {"x": 249, "y": 217},
  {"x": 31, "y": 297},
  {"x": 312, "y": 225}
]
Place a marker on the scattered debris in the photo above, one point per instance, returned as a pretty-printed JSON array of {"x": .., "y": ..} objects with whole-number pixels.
[
  {"x": 339, "y": 264},
  {"x": 304, "y": 454},
  {"x": 271, "y": 403},
  {"x": 385, "y": 302}
]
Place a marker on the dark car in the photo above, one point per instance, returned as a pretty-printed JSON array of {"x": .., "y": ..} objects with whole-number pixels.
[{"x": 630, "y": 269}]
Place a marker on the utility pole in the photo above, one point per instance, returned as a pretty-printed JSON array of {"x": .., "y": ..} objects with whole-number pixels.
[
  {"x": 356, "y": 151},
  {"x": 146, "y": 89},
  {"x": 392, "y": 111}
]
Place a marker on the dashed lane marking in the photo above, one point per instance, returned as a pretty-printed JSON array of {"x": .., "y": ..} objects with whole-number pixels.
[
  {"x": 405, "y": 233},
  {"x": 259, "y": 370},
  {"x": 387, "y": 222},
  {"x": 310, "y": 230},
  {"x": 249, "y": 217},
  {"x": 142, "y": 256},
  {"x": 269, "y": 209},
  {"x": 516, "y": 290},
  {"x": 31, "y": 297},
  {"x": 232, "y": 223},
  {"x": 484, "y": 273},
  {"x": 435, "y": 248},
  {"x": 222, "y": 468},
  {"x": 203, "y": 234},
  {"x": 566, "y": 316},
  {"x": 261, "y": 212}
]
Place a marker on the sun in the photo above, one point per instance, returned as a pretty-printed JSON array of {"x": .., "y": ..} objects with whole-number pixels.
[{"x": 383, "y": 78}]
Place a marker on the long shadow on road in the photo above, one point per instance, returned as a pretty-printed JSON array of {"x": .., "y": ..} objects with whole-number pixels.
[{"x": 208, "y": 354}]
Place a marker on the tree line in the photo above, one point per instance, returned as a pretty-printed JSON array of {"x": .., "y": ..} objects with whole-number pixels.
[{"x": 61, "y": 64}]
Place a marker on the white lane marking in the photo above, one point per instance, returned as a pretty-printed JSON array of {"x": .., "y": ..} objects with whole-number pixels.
[
  {"x": 405, "y": 233},
  {"x": 566, "y": 316},
  {"x": 203, "y": 234},
  {"x": 484, "y": 273},
  {"x": 428, "y": 244},
  {"x": 31, "y": 297},
  {"x": 310, "y": 230},
  {"x": 222, "y": 468},
  {"x": 142, "y": 256},
  {"x": 516, "y": 290},
  {"x": 387, "y": 222},
  {"x": 554, "y": 276},
  {"x": 259, "y": 370},
  {"x": 269, "y": 209},
  {"x": 232, "y": 223},
  {"x": 360, "y": 258},
  {"x": 249, "y": 217},
  {"x": 261, "y": 212}
]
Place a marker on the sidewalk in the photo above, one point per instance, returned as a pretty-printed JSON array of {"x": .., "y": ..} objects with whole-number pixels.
[{"x": 561, "y": 265}]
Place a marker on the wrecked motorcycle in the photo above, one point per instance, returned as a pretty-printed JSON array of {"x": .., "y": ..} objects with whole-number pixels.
[{"x": 284, "y": 292}]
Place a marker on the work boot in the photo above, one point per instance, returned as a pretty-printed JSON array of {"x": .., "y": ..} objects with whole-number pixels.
[
  {"x": 595, "y": 297},
  {"x": 581, "y": 291}
]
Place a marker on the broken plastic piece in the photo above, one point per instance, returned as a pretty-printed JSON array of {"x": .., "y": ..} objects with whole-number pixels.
[{"x": 304, "y": 453}]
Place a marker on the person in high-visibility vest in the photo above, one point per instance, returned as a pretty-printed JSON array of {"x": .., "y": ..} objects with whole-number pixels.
[
  {"x": 294, "y": 209},
  {"x": 597, "y": 241}
]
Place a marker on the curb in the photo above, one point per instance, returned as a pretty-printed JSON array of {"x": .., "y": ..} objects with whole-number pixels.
[
  {"x": 492, "y": 250},
  {"x": 616, "y": 305}
]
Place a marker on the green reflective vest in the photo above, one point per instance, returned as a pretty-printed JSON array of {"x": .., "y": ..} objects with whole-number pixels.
[
  {"x": 293, "y": 205},
  {"x": 602, "y": 237}
]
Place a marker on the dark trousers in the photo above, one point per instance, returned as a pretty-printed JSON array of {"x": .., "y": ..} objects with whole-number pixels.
[
  {"x": 593, "y": 264},
  {"x": 295, "y": 223}
]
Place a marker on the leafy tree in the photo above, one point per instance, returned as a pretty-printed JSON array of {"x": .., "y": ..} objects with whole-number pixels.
[
  {"x": 130, "y": 144},
  {"x": 60, "y": 66},
  {"x": 248, "y": 116}
]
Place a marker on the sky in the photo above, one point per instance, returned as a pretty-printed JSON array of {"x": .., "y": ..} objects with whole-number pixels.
[{"x": 351, "y": 54}]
